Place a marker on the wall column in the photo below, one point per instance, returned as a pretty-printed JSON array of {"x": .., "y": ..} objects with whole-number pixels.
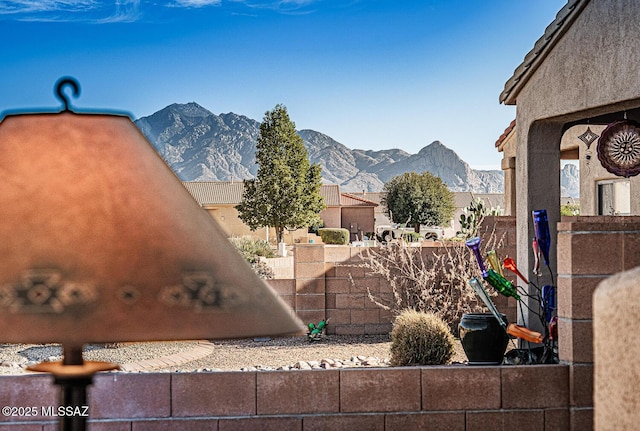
[
  {"x": 509, "y": 169},
  {"x": 309, "y": 274},
  {"x": 590, "y": 250},
  {"x": 537, "y": 187}
]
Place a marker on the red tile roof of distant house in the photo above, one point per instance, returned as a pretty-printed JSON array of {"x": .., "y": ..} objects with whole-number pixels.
[
  {"x": 331, "y": 193},
  {"x": 506, "y": 133},
  {"x": 349, "y": 200}
]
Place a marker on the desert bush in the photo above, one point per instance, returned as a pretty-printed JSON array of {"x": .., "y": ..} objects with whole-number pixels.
[
  {"x": 569, "y": 210},
  {"x": 429, "y": 281},
  {"x": 334, "y": 236},
  {"x": 252, "y": 249},
  {"x": 419, "y": 338},
  {"x": 473, "y": 215},
  {"x": 411, "y": 236}
]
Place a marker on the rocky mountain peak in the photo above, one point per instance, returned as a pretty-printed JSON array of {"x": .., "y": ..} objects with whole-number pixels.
[
  {"x": 191, "y": 109},
  {"x": 199, "y": 145}
]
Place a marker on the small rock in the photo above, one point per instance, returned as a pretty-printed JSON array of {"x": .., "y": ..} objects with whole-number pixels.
[{"x": 302, "y": 365}]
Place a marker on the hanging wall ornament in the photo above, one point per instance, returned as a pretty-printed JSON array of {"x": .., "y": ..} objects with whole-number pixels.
[
  {"x": 588, "y": 137},
  {"x": 619, "y": 148}
]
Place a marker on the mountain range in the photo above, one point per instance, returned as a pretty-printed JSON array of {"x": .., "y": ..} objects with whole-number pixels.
[{"x": 201, "y": 146}]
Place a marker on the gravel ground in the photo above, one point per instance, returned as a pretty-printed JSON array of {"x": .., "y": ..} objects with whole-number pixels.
[{"x": 277, "y": 353}]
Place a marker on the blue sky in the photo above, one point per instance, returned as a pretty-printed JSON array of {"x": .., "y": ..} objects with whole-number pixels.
[{"x": 372, "y": 74}]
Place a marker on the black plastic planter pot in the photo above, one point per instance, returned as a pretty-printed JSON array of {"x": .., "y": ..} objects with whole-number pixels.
[{"x": 483, "y": 339}]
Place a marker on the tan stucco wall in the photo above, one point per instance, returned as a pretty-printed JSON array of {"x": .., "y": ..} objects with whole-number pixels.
[
  {"x": 331, "y": 217},
  {"x": 593, "y": 65},
  {"x": 228, "y": 219},
  {"x": 592, "y": 70},
  {"x": 358, "y": 220}
]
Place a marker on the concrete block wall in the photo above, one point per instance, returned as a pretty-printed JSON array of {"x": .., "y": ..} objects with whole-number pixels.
[
  {"x": 348, "y": 304},
  {"x": 590, "y": 249},
  {"x": 452, "y": 398},
  {"x": 309, "y": 275},
  {"x": 347, "y": 283},
  {"x": 616, "y": 304}
]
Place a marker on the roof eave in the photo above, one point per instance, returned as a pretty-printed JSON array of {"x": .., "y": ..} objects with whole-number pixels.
[{"x": 554, "y": 31}]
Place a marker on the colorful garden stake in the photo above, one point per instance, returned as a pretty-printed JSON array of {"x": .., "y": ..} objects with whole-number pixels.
[
  {"x": 492, "y": 258},
  {"x": 541, "y": 224},
  {"x": 500, "y": 283},
  {"x": 549, "y": 301},
  {"x": 474, "y": 245},
  {"x": 536, "y": 257},
  {"x": 510, "y": 264}
]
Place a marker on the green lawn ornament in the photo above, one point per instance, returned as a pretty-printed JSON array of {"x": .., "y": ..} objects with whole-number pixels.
[{"x": 317, "y": 332}]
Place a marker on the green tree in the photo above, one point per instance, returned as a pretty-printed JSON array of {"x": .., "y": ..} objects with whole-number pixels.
[
  {"x": 286, "y": 192},
  {"x": 423, "y": 199}
]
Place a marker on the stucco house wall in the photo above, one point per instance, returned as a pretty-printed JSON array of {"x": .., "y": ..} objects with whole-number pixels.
[
  {"x": 331, "y": 217},
  {"x": 228, "y": 219},
  {"x": 219, "y": 199},
  {"x": 583, "y": 70},
  {"x": 358, "y": 220},
  {"x": 592, "y": 172}
]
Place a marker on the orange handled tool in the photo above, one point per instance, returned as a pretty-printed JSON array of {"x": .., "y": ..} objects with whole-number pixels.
[{"x": 524, "y": 333}]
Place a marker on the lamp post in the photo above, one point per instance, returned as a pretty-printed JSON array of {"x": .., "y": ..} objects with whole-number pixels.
[{"x": 101, "y": 243}]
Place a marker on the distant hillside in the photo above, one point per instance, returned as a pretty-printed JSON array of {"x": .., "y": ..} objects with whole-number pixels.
[
  {"x": 202, "y": 146},
  {"x": 570, "y": 181}
]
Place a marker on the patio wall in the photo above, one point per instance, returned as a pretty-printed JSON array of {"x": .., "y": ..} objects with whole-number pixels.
[
  {"x": 330, "y": 282},
  {"x": 590, "y": 249},
  {"x": 452, "y": 398}
]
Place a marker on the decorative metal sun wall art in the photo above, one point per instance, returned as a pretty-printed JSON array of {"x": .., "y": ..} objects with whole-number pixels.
[{"x": 619, "y": 148}]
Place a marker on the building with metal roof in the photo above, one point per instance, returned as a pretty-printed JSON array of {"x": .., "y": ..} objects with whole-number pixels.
[{"x": 220, "y": 198}]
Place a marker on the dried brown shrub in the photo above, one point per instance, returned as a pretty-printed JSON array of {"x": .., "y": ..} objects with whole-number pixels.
[{"x": 428, "y": 280}]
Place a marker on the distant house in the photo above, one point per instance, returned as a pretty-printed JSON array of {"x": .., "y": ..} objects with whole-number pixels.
[
  {"x": 343, "y": 210},
  {"x": 461, "y": 201}
]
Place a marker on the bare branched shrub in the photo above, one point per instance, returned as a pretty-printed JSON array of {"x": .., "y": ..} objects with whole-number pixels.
[{"x": 428, "y": 281}]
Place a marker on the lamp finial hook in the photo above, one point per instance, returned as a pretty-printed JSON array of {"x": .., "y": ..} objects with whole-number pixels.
[{"x": 67, "y": 81}]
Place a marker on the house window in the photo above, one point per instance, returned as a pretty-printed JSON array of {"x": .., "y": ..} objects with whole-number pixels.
[{"x": 614, "y": 197}]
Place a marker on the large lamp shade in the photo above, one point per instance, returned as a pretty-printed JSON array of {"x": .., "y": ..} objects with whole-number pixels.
[{"x": 100, "y": 242}]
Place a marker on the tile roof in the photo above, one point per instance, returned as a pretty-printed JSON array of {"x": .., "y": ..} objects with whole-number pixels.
[
  {"x": 215, "y": 192},
  {"x": 375, "y": 197},
  {"x": 506, "y": 133},
  {"x": 349, "y": 200},
  {"x": 331, "y": 193},
  {"x": 230, "y": 193},
  {"x": 565, "y": 17}
]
